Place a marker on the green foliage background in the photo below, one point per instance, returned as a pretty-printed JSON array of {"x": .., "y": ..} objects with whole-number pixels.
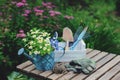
[
  {"x": 101, "y": 18},
  {"x": 99, "y": 15}
]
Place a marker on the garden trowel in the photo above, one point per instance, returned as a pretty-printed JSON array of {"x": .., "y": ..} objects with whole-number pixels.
[
  {"x": 78, "y": 39},
  {"x": 67, "y": 36}
]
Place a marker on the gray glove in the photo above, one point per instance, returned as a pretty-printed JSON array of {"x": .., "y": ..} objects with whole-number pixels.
[{"x": 82, "y": 65}]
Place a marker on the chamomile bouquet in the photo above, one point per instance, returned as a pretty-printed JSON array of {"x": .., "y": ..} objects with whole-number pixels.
[{"x": 37, "y": 42}]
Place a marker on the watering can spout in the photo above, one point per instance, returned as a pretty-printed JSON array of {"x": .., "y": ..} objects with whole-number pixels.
[{"x": 22, "y": 51}]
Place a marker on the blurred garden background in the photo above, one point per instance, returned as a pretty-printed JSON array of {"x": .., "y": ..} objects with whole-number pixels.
[{"x": 17, "y": 17}]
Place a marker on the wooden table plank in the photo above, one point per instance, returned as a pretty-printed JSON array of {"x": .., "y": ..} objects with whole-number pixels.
[
  {"x": 88, "y": 50},
  {"x": 103, "y": 69},
  {"x": 55, "y": 76},
  {"x": 101, "y": 61},
  {"x": 23, "y": 65},
  {"x": 111, "y": 73},
  {"x": 93, "y": 53},
  {"x": 29, "y": 68},
  {"x": 116, "y": 77},
  {"x": 105, "y": 60},
  {"x": 67, "y": 76},
  {"x": 99, "y": 56},
  {"x": 36, "y": 72},
  {"x": 46, "y": 73}
]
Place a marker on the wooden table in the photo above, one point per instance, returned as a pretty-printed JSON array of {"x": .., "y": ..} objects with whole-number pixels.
[{"x": 108, "y": 68}]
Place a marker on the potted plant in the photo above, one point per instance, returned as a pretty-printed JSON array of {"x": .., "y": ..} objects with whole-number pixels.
[{"x": 38, "y": 49}]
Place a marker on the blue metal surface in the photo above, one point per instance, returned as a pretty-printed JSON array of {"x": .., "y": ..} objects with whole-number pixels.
[{"x": 45, "y": 62}]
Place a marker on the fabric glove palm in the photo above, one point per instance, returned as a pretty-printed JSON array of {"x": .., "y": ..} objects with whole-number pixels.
[{"x": 82, "y": 65}]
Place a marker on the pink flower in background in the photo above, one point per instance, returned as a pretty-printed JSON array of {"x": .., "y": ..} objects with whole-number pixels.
[
  {"x": 13, "y": 2},
  {"x": 27, "y": 11},
  {"x": 71, "y": 17},
  {"x": 21, "y": 31},
  {"x": 24, "y": 1},
  {"x": 21, "y": 34},
  {"x": 1, "y": 13},
  {"x": 51, "y": 11},
  {"x": 54, "y": 13},
  {"x": 44, "y": 4},
  {"x": 45, "y": 16},
  {"x": 20, "y": 4},
  {"x": 68, "y": 17},
  {"x": 38, "y": 12},
  {"x": 25, "y": 15},
  {"x": 26, "y": 4},
  {"x": 57, "y": 13},
  {"x": 48, "y": 5},
  {"x": 36, "y": 8},
  {"x": 1, "y": 43}
]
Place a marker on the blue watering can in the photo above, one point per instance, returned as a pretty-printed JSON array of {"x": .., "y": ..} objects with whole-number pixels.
[{"x": 41, "y": 62}]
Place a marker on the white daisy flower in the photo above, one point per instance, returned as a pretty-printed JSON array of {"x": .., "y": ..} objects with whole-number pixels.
[
  {"x": 30, "y": 47},
  {"x": 31, "y": 42},
  {"x": 30, "y": 53},
  {"x": 36, "y": 52},
  {"x": 48, "y": 50},
  {"x": 24, "y": 40},
  {"x": 44, "y": 48},
  {"x": 34, "y": 36},
  {"x": 40, "y": 47}
]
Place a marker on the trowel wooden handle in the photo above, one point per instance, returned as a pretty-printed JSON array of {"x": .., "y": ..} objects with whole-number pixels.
[{"x": 67, "y": 45}]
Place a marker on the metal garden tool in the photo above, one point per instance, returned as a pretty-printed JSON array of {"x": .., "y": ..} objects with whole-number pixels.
[
  {"x": 67, "y": 36},
  {"x": 79, "y": 38},
  {"x": 54, "y": 41},
  {"x": 78, "y": 32}
]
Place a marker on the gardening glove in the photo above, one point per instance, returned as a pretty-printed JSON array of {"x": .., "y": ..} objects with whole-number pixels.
[
  {"x": 74, "y": 68},
  {"x": 82, "y": 65}
]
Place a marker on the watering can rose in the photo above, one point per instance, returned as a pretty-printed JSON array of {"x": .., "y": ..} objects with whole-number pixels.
[{"x": 38, "y": 42}]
